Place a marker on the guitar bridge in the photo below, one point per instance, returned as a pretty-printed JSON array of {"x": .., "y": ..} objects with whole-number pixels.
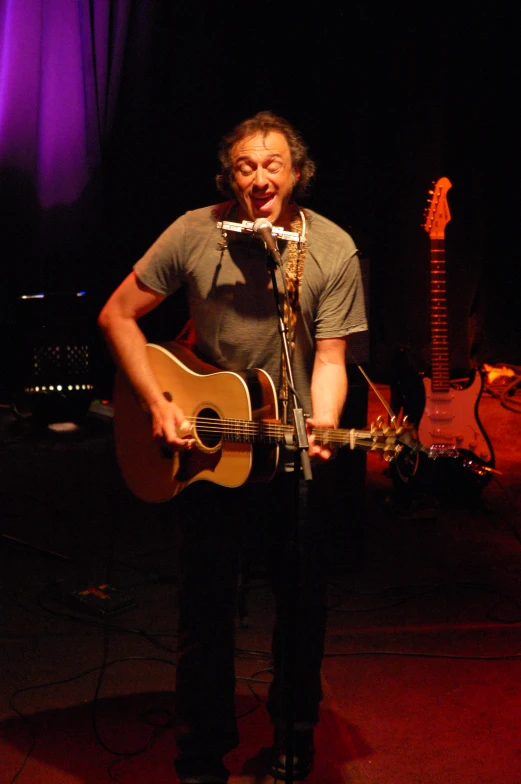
[{"x": 442, "y": 450}]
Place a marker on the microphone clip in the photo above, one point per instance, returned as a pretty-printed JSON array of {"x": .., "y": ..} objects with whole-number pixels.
[{"x": 246, "y": 227}]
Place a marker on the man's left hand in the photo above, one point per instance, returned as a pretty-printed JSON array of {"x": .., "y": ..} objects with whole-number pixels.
[{"x": 321, "y": 450}]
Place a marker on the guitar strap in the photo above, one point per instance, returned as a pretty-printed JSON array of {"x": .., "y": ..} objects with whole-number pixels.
[{"x": 294, "y": 273}]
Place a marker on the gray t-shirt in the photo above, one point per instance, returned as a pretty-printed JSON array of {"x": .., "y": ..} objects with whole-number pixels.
[{"x": 231, "y": 299}]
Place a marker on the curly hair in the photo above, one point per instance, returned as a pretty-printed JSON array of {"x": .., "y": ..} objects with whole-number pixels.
[{"x": 264, "y": 123}]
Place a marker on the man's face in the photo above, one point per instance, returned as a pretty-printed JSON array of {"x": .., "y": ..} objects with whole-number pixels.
[{"x": 263, "y": 177}]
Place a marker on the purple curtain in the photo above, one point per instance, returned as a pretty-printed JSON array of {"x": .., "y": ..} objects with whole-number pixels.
[
  {"x": 60, "y": 69},
  {"x": 61, "y": 64}
]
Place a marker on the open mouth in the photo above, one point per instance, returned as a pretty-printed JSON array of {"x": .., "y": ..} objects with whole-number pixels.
[{"x": 263, "y": 203}]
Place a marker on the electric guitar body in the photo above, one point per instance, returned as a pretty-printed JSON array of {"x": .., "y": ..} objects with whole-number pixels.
[{"x": 450, "y": 421}]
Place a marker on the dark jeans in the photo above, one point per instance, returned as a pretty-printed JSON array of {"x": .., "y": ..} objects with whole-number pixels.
[{"x": 220, "y": 530}]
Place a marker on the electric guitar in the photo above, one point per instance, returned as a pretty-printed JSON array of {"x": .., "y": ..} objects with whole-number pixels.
[
  {"x": 449, "y": 426},
  {"x": 234, "y": 420}
]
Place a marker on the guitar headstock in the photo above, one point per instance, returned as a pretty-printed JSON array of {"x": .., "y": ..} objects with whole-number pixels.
[
  {"x": 437, "y": 213},
  {"x": 391, "y": 438}
]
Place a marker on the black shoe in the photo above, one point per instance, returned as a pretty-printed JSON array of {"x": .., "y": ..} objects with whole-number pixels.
[{"x": 303, "y": 755}]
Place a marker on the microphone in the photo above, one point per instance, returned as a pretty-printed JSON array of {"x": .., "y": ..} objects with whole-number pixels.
[{"x": 263, "y": 229}]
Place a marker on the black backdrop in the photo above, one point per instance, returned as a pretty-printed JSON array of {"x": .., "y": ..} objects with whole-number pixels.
[{"x": 389, "y": 99}]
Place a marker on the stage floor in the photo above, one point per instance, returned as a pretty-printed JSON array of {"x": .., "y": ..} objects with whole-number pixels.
[{"x": 422, "y": 674}]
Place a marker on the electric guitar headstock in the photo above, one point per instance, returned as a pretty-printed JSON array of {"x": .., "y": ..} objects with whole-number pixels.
[{"x": 437, "y": 213}]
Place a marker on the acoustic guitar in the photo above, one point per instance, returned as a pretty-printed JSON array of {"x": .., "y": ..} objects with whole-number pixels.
[
  {"x": 450, "y": 426},
  {"x": 234, "y": 420}
]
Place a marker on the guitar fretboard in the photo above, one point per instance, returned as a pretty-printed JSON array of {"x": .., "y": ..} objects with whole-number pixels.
[{"x": 439, "y": 319}]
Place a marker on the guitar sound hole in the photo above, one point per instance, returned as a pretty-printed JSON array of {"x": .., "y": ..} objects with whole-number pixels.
[{"x": 208, "y": 428}]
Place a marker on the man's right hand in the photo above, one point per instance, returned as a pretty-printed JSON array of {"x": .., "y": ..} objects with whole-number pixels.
[{"x": 170, "y": 425}]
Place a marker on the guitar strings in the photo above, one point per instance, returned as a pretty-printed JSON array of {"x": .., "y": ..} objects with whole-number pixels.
[{"x": 277, "y": 432}]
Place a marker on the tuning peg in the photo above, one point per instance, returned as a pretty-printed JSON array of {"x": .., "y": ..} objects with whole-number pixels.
[{"x": 378, "y": 424}]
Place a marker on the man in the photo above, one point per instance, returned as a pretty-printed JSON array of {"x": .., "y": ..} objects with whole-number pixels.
[{"x": 235, "y": 326}]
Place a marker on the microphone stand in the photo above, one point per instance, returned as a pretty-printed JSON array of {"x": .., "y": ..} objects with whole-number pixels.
[{"x": 301, "y": 460}]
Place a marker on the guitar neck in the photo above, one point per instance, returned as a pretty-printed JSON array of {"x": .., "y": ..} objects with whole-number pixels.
[
  {"x": 439, "y": 318},
  {"x": 273, "y": 433},
  {"x": 437, "y": 217}
]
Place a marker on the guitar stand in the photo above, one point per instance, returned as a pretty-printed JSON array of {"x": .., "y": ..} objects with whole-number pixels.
[{"x": 301, "y": 461}]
